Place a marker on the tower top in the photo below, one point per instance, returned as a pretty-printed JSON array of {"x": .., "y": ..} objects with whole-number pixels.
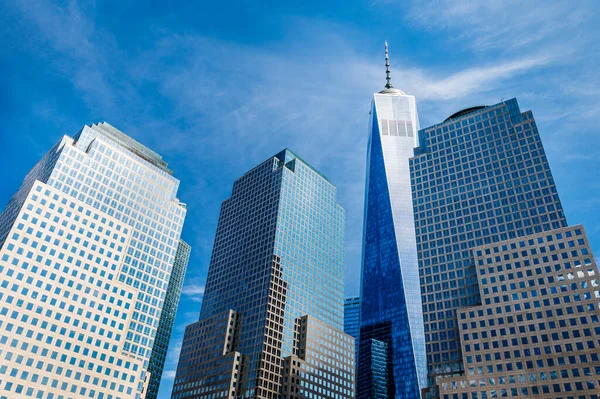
[
  {"x": 388, "y": 77},
  {"x": 389, "y": 88}
]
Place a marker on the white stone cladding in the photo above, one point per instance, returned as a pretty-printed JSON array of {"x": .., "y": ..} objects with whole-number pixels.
[{"x": 77, "y": 273}]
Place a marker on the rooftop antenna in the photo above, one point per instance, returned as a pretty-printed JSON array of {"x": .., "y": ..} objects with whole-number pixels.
[{"x": 388, "y": 78}]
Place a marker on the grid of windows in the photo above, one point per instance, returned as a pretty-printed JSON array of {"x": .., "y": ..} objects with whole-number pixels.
[
  {"x": 63, "y": 313},
  {"x": 319, "y": 347},
  {"x": 277, "y": 256},
  {"x": 352, "y": 321},
  {"x": 538, "y": 331},
  {"x": 478, "y": 178},
  {"x": 167, "y": 318},
  {"x": 209, "y": 366},
  {"x": 105, "y": 172}
]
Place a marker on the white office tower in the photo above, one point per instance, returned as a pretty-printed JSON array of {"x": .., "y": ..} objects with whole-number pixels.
[{"x": 87, "y": 247}]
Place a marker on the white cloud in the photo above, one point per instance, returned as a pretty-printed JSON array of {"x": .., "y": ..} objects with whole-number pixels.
[
  {"x": 193, "y": 292},
  {"x": 193, "y": 289},
  {"x": 470, "y": 81},
  {"x": 168, "y": 374},
  {"x": 234, "y": 105},
  {"x": 502, "y": 25}
]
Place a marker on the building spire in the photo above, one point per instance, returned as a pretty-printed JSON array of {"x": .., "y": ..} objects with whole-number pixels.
[{"x": 388, "y": 78}]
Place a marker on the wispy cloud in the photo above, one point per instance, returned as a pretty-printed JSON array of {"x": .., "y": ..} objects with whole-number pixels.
[
  {"x": 218, "y": 125},
  {"x": 193, "y": 291},
  {"x": 168, "y": 374},
  {"x": 216, "y": 107},
  {"x": 503, "y": 25},
  {"x": 470, "y": 81}
]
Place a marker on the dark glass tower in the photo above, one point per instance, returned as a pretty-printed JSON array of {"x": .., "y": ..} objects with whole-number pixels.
[
  {"x": 391, "y": 312},
  {"x": 167, "y": 318},
  {"x": 352, "y": 319},
  {"x": 480, "y": 177},
  {"x": 374, "y": 381},
  {"x": 272, "y": 314}
]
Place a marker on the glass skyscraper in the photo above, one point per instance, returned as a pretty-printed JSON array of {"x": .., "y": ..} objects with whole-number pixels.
[
  {"x": 87, "y": 248},
  {"x": 391, "y": 310},
  {"x": 478, "y": 178},
  {"x": 167, "y": 318},
  {"x": 352, "y": 320},
  {"x": 271, "y": 323}
]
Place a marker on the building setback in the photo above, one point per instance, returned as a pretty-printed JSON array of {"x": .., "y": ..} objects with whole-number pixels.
[
  {"x": 478, "y": 178},
  {"x": 87, "y": 247},
  {"x": 537, "y": 332},
  {"x": 272, "y": 313}
]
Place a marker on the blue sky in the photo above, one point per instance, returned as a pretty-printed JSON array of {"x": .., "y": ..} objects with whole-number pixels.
[{"x": 217, "y": 87}]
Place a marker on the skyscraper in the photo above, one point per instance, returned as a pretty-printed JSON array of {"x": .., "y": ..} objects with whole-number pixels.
[
  {"x": 391, "y": 300},
  {"x": 88, "y": 245},
  {"x": 352, "y": 320},
  {"x": 272, "y": 314},
  {"x": 478, "y": 178}
]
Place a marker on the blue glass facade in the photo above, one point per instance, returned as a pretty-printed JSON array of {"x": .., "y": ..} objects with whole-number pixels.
[
  {"x": 167, "y": 319},
  {"x": 479, "y": 177},
  {"x": 277, "y": 257},
  {"x": 391, "y": 303},
  {"x": 374, "y": 381},
  {"x": 352, "y": 320}
]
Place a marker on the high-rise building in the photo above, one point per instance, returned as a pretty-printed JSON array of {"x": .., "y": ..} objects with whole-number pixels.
[
  {"x": 478, "y": 178},
  {"x": 391, "y": 310},
  {"x": 537, "y": 332},
  {"x": 272, "y": 314},
  {"x": 88, "y": 245},
  {"x": 352, "y": 320},
  {"x": 167, "y": 318},
  {"x": 374, "y": 381}
]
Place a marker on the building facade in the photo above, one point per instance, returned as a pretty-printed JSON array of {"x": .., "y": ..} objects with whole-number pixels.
[
  {"x": 391, "y": 311},
  {"x": 87, "y": 247},
  {"x": 537, "y": 331},
  {"x": 352, "y": 321},
  {"x": 374, "y": 381},
  {"x": 478, "y": 178},
  {"x": 277, "y": 258},
  {"x": 167, "y": 318},
  {"x": 318, "y": 347}
]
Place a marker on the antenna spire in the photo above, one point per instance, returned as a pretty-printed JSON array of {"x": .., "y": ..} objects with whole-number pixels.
[{"x": 388, "y": 78}]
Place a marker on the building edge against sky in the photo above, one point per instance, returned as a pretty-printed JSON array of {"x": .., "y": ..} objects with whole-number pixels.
[
  {"x": 391, "y": 311},
  {"x": 272, "y": 313},
  {"x": 88, "y": 244}
]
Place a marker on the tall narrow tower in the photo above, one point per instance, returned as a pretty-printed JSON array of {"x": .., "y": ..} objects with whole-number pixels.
[{"x": 391, "y": 313}]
